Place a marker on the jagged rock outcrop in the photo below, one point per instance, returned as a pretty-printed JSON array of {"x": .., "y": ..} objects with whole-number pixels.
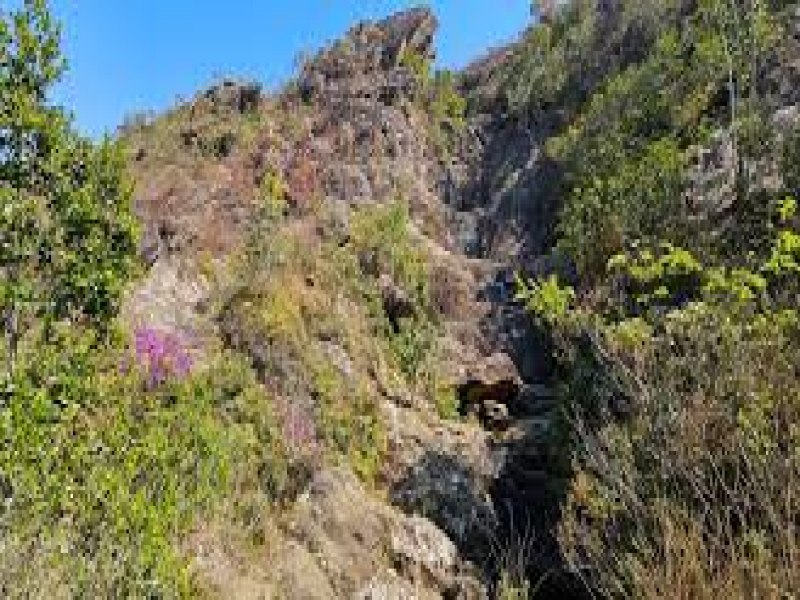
[
  {"x": 367, "y": 63},
  {"x": 230, "y": 94},
  {"x": 368, "y": 141}
]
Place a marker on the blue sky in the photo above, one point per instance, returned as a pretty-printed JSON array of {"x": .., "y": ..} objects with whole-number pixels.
[{"x": 127, "y": 56}]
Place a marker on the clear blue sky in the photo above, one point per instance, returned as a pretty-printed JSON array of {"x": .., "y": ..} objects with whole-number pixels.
[{"x": 133, "y": 55}]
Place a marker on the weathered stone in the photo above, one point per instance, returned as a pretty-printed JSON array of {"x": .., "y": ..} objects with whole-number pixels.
[
  {"x": 346, "y": 530},
  {"x": 388, "y": 586},
  {"x": 424, "y": 551}
]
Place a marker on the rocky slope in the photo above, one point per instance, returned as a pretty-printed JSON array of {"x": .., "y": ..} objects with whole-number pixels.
[
  {"x": 353, "y": 130},
  {"x": 458, "y": 502}
]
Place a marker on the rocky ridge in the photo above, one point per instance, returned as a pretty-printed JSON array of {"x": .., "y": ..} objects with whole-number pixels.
[{"x": 453, "y": 490}]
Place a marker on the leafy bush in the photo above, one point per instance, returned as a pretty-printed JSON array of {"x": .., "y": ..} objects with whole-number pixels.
[
  {"x": 274, "y": 195},
  {"x": 546, "y": 300},
  {"x": 446, "y": 104},
  {"x": 67, "y": 231}
]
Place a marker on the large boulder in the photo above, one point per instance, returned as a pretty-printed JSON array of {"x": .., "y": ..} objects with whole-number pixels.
[{"x": 368, "y": 549}]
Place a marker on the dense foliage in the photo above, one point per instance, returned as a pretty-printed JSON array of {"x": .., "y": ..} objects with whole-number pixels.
[
  {"x": 680, "y": 344},
  {"x": 110, "y": 447}
]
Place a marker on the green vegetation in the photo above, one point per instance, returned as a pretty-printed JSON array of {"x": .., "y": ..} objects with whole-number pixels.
[
  {"x": 546, "y": 299},
  {"x": 102, "y": 491},
  {"x": 678, "y": 341},
  {"x": 103, "y": 467},
  {"x": 313, "y": 317},
  {"x": 438, "y": 97},
  {"x": 89, "y": 458},
  {"x": 681, "y": 401}
]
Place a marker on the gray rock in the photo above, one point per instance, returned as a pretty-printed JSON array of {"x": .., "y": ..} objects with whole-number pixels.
[
  {"x": 239, "y": 96},
  {"x": 424, "y": 551}
]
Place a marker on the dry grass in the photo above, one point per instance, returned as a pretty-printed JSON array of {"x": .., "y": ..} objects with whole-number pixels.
[{"x": 695, "y": 495}]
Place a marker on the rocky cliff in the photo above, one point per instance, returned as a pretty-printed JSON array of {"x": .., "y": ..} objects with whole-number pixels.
[
  {"x": 457, "y": 500},
  {"x": 352, "y": 130}
]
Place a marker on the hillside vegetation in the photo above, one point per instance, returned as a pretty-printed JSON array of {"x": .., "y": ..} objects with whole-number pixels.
[
  {"x": 680, "y": 340},
  {"x": 528, "y": 330}
]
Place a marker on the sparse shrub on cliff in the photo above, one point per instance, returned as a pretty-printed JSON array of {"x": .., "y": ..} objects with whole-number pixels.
[
  {"x": 310, "y": 316},
  {"x": 303, "y": 187},
  {"x": 274, "y": 195},
  {"x": 447, "y": 105},
  {"x": 438, "y": 97},
  {"x": 380, "y": 236}
]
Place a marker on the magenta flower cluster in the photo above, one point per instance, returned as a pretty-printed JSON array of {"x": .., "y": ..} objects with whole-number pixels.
[{"x": 163, "y": 355}]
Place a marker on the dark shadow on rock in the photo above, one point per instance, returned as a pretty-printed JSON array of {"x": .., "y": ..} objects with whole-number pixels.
[
  {"x": 532, "y": 484},
  {"x": 488, "y": 401},
  {"x": 444, "y": 490},
  {"x": 504, "y": 197},
  {"x": 503, "y": 189}
]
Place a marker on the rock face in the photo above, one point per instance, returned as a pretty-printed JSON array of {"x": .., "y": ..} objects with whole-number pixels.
[
  {"x": 367, "y": 62},
  {"x": 366, "y": 549},
  {"x": 354, "y": 134},
  {"x": 784, "y": 70},
  {"x": 240, "y": 96},
  {"x": 367, "y": 143}
]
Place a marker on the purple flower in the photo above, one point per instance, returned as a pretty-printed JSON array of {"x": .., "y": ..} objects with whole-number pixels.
[{"x": 162, "y": 354}]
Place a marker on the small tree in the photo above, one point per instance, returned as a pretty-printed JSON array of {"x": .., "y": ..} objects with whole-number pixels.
[{"x": 67, "y": 232}]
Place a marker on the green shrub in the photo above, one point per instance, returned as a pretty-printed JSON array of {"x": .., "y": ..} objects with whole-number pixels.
[
  {"x": 102, "y": 469},
  {"x": 561, "y": 62},
  {"x": 106, "y": 475},
  {"x": 446, "y": 400},
  {"x": 438, "y": 97},
  {"x": 546, "y": 299},
  {"x": 381, "y": 240},
  {"x": 447, "y": 105},
  {"x": 274, "y": 195},
  {"x": 419, "y": 65}
]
